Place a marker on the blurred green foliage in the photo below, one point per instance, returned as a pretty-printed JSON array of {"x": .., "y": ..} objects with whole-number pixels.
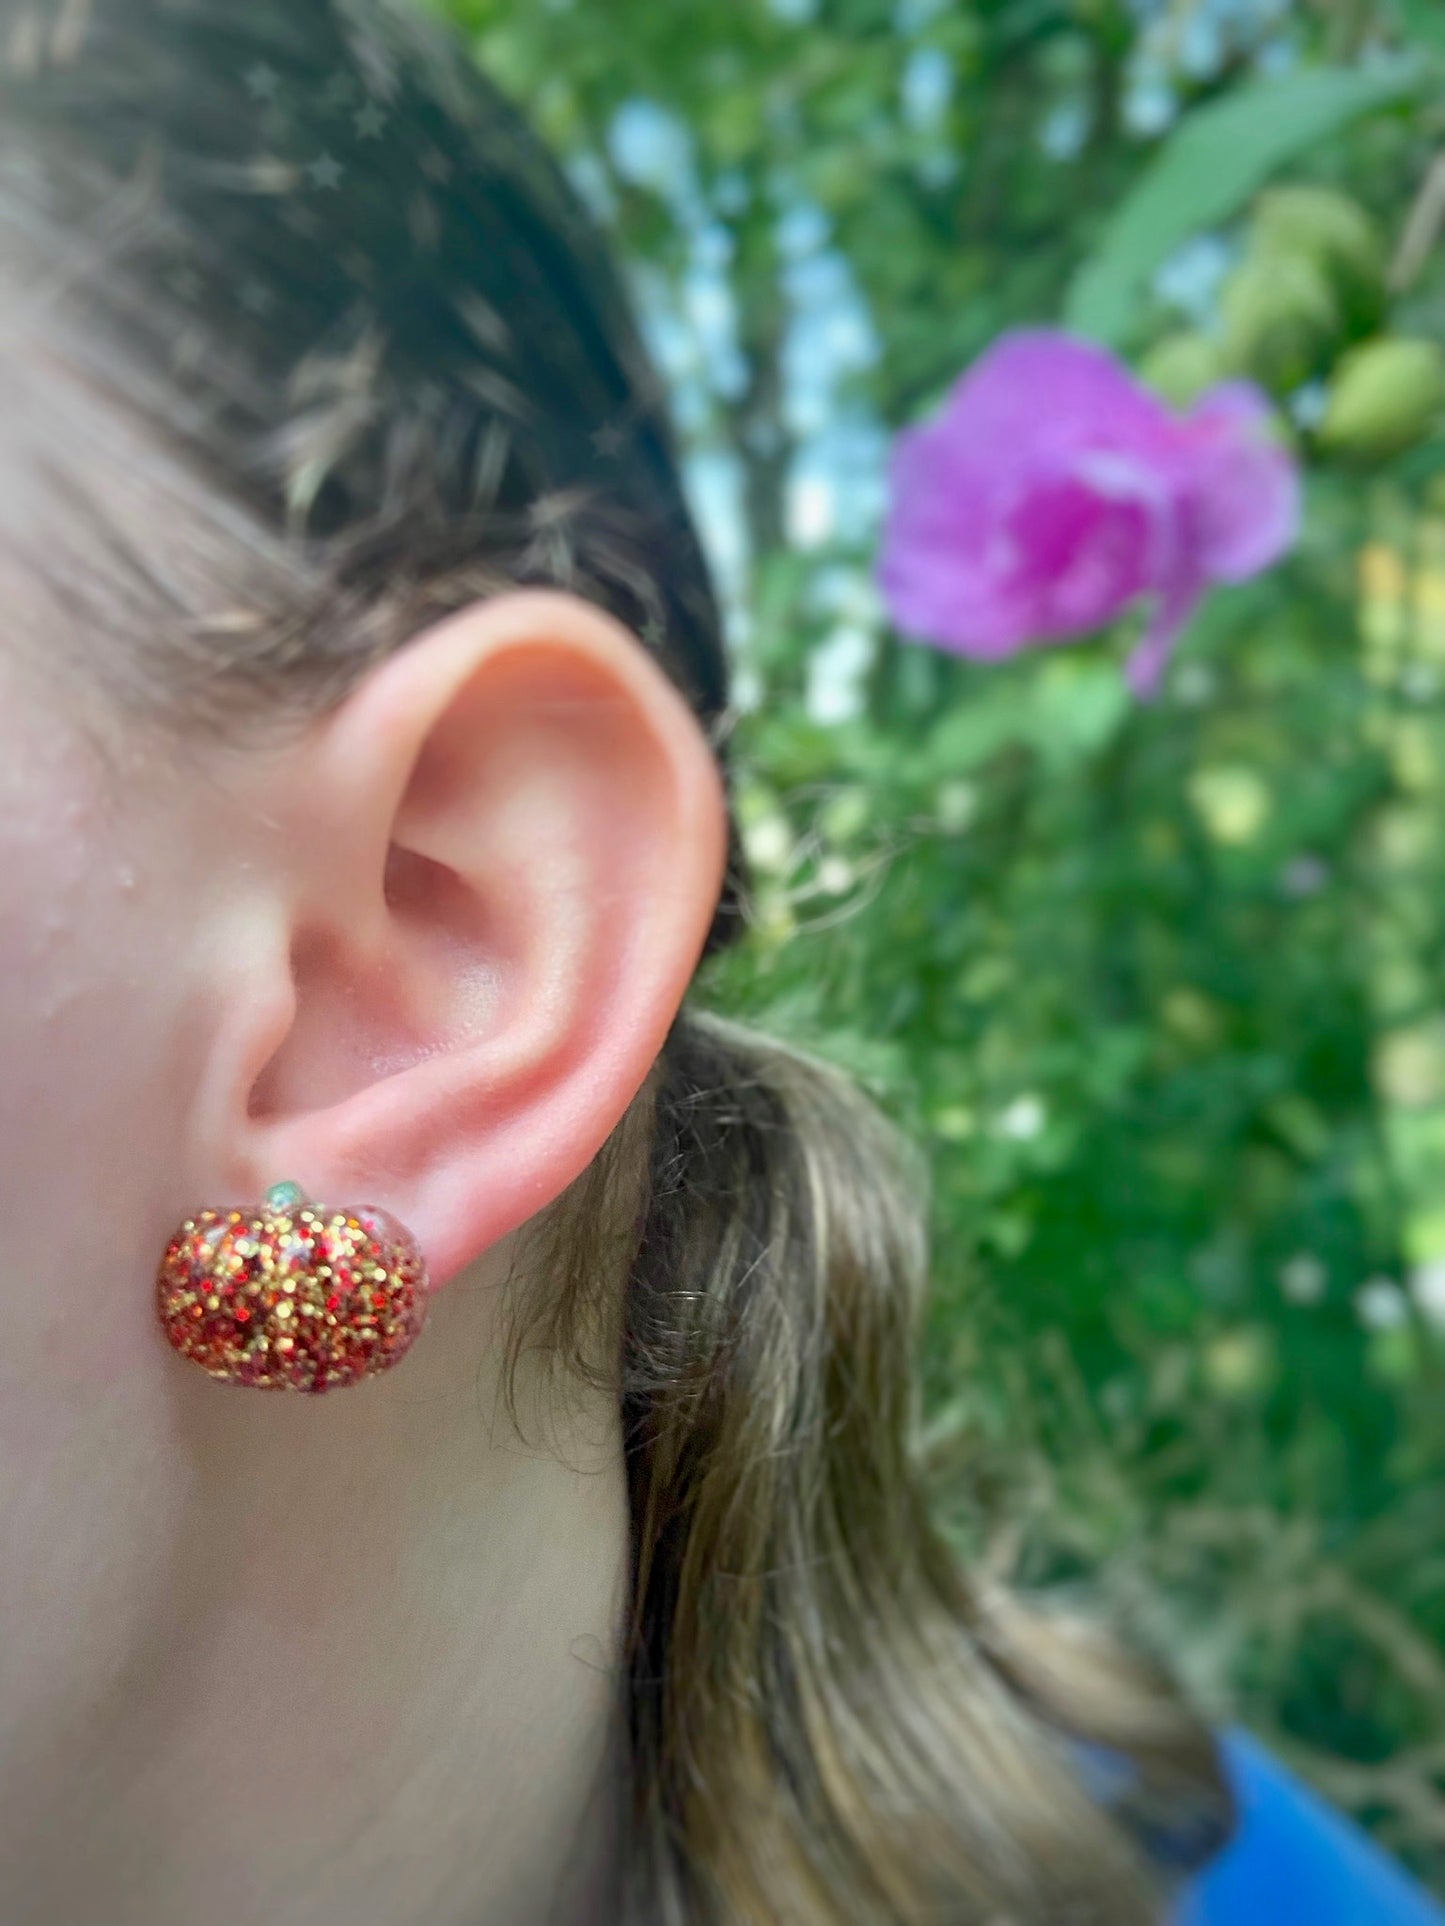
[{"x": 1162, "y": 989}]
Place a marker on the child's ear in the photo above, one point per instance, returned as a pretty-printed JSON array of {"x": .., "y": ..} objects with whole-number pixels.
[{"x": 495, "y": 866}]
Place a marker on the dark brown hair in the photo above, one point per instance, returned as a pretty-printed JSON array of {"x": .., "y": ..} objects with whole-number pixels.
[{"x": 380, "y": 363}]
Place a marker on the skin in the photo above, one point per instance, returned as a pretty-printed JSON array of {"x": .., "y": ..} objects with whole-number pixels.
[{"x": 268, "y": 1658}]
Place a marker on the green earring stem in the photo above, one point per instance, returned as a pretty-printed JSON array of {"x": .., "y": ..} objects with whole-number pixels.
[{"x": 285, "y": 1196}]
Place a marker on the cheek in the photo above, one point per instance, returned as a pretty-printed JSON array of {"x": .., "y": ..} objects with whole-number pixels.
[
  {"x": 85, "y": 1034},
  {"x": 92, "y": 1056}
]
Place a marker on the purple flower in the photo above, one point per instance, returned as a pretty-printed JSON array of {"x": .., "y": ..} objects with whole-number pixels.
[{"x": 1052, "y": 492}]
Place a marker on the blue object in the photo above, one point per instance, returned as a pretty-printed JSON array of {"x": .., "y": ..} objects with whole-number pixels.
[{"x": 1294, "y": 1862}]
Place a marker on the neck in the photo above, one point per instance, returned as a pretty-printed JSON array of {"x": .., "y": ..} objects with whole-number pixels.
[{"x": 388, "y": 1689}]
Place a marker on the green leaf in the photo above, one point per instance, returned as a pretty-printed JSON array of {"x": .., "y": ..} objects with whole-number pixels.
[
  {"x": 1211, "y": 166},
  {"x": 969, "y": 736},
  {"x": 1065, "y": 711},
  {"x": 1423, "y": 20},
  {"x": 1079, "y": 706}
]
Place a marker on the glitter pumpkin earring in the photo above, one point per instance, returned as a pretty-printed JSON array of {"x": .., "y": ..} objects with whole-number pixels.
[{"x": 292, "y": 1296}]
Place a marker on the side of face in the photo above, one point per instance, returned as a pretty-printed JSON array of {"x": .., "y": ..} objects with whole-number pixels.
[
  {"x": 421, "y": 955},
  {"x": 103, "y": 1029}
]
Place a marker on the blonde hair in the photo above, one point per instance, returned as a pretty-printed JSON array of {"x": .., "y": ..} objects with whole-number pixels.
[{"x": 439, "y": 392}]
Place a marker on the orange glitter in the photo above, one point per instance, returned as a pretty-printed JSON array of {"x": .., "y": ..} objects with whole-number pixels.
[{"x": 292, "y": 1296}]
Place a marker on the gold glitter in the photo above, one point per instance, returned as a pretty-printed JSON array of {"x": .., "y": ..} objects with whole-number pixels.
[{"x": 295, "y": 1299}]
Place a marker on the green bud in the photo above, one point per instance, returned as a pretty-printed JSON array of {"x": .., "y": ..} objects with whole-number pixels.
[
  {"x": 1182, "y": 366},
  {"x": 1385, "y": 397},
  {"x": 1281, "y": 320},
  {"x": 1337, "y": 235}
]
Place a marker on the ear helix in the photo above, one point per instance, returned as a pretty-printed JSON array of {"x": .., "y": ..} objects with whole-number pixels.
[{"x": 291, "y": 1295}]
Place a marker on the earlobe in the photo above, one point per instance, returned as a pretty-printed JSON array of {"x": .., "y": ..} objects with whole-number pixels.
[{"x": 498, "y": 861}]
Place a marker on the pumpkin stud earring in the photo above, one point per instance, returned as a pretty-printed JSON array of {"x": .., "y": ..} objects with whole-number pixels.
[{"x": 290, "y": 1295}]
